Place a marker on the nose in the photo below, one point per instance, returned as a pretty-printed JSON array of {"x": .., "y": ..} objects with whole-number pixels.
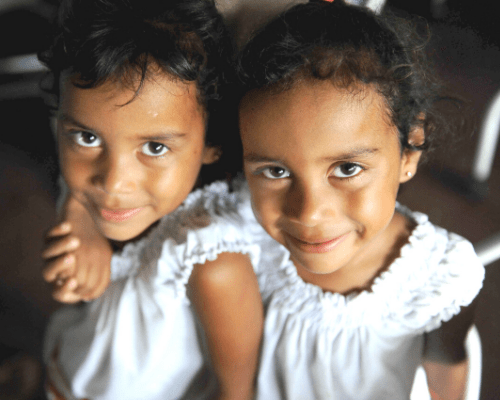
[
  {"x": 309, "y": 204},
  {"x": 115, "y": 174}
]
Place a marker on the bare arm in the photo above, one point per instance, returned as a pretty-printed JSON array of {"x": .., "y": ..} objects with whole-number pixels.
[
  {"x": 445, "y": 358},
  {"x": 78, "y": 254},
  {"x": 226, "y": 297}
]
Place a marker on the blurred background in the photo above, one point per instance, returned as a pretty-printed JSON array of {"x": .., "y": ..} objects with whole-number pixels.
[{"x": 464, "y": 45}]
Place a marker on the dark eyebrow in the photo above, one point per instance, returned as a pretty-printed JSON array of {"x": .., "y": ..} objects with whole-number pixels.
[
  {"x": 68, "y": 118},
  {"x": 161, "y": 136},
  {"x": 344, "y": 157},
  {"x": 158, "y": 137},
  {"x": 352, "y": 154},
  {"x": 256, "y": 158}
]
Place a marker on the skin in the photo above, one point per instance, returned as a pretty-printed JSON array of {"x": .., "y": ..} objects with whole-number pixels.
[
  {"x": 326, "y": 168},
  {"x": 325, "y": 163},
  {"x": 225, "y": 294},
  {"x": 142, "y": 155},
  {"x": 119, "y": 152},
  {"x": 75, "y": 250}
]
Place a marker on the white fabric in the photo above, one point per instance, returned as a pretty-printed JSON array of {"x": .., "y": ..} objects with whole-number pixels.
[
  {"x": 140, "y": 339},
  {"x": 368, "y": 345}
]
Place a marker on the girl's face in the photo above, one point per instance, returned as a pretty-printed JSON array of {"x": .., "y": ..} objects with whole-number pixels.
[
  {"x": 324, "y": 166},
  {"x": 130, "y": 161}
]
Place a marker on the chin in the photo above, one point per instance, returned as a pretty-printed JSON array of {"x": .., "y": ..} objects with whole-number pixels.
[
  {"x": 120, "y": 234},
  {"x": 320, "y": 271},
  {"x": 318, "y": 266}
]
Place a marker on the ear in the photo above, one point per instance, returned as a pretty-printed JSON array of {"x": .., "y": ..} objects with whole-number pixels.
[
  {"x": 211, "y": 154},
  {"x": 410, "y": 158}
]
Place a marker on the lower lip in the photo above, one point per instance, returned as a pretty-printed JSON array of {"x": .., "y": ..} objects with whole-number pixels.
[
  {"x": 323, "y": 247},
  {"x": 119, "y": 215}
]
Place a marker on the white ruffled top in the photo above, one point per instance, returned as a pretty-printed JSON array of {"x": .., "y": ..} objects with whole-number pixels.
[
  {"x": 141, "y": 339},
  {"x": 321, "y": 345}
]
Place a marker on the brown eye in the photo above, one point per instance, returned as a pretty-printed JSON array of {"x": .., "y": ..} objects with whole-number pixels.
[
  {"x": 154, "y": 149},
  {"x": 86, "y": 139},
  {"x": 275, "y": 173},
  {"x": 347, "y": 170}
]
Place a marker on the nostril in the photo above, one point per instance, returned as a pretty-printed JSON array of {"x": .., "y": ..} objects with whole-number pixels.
[
  {"x": 306, "y": 210},
  {"x": 114, "y": 183}
]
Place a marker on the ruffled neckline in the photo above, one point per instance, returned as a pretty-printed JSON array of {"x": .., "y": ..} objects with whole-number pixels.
[
  {"x": 435, "y": 274},
  {"x": 212, "y": 200},
  {"x": 395, "y": 272}
]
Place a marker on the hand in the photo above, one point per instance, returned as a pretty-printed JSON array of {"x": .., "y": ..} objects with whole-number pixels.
[
  {"x": 78, "y": 257},
  {"x": 60, "y": 268}
]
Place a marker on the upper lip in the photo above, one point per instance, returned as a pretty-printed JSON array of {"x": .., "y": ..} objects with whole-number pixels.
[
  {"x": 118, "y": 210},
  {"x": 315, "y": 239},
  {"x": 113, "y": 205},
  {"x": 119, "y": 215}
]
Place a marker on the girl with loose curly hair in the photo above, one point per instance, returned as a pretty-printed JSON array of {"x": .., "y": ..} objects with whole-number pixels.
[
  {"x": 139, "y": 87},
  {"x": 337, "y": 106}
]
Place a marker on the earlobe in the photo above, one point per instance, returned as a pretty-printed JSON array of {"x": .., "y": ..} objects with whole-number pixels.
[
  {"x": 409, "y": 165},
  {"x": 211, "y": 154}
]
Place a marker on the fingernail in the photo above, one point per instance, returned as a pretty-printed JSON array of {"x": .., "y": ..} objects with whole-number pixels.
[
  {"x": 74, "y": 242},
  {"x": 65, "y": 226},
  {"x": 69, "y": 259},
  {"x": 72, "y": 284}
]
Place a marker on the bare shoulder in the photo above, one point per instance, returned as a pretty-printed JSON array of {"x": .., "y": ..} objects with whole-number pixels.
[
  {"x": 225, "y": 295},
  {"x": 229, "y": 272}
]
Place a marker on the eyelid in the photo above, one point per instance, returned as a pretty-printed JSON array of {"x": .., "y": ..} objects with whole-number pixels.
[
  {"x": 262, "y": 171},
  {"x": 165, "y": 147},
  {"x": 347, "y": 177},
  {"x": 75, "y": 135}
]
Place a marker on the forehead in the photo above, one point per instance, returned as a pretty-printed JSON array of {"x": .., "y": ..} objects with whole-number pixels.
[
  {"x": 313, "y": 113},
  {"x": 159, "y": 100},
  {"x": 155, "y": 86}
]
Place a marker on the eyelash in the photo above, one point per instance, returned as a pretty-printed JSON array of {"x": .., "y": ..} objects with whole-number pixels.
[
  {"x": 348, "y": 178},
  {"x": 162, "y": 155},
  {"x": 262, "y": 171},
  {"x": 77, "y": 136}
]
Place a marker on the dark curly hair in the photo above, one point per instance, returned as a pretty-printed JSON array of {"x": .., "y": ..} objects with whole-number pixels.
[
  {"x": 347, "y": 45},
  {"x": 101, "y": 40}
]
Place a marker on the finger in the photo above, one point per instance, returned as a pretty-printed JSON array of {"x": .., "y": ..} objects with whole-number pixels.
[
  {"x": 63, "y": 245},
  {"x": 66, "y": 293},
  {"x": 62, "y": 229},
  {"x": 60, "y": 268},
  {"x": 65, "y": 284}
]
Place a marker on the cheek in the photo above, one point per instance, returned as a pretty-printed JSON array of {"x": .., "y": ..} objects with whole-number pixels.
[
  {"x": 257, "y": 205},
  {"x": 174, "y": 183},
  {"x": 73, "y": 171},
  {"x": 373, "y": 209},
  {"x": 260, "y": 204}
]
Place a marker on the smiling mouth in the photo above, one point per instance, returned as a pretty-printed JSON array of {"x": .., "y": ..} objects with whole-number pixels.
[
  {"x": 322, "y": 246},
  {"x": 119, "y": 215}
]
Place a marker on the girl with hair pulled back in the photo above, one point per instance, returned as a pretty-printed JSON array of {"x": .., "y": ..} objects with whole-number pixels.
[
  {"x": 336, "y": 109},
  {"x": 139, "y": 88}
]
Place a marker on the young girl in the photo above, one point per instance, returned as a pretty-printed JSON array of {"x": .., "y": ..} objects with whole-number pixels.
[
  {"x": 136, "y": 83},
  {"x": 336, "y": 111}
]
